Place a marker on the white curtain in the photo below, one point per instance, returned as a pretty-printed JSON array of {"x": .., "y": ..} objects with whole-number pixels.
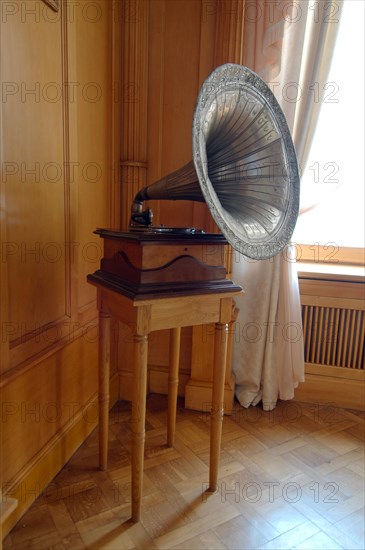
[{"x": 289, "y": 44}]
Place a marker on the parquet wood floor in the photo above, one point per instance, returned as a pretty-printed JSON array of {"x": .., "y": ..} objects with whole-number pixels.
[{"x": 290, "y": 478}]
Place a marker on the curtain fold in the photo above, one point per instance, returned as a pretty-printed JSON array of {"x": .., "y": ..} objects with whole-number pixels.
[{"x": 289, "y": 45}]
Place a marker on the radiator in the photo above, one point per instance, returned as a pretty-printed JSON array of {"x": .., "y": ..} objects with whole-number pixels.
[
  {"x": 334, "y": 336},
  {"x": 333, "y": 315}
]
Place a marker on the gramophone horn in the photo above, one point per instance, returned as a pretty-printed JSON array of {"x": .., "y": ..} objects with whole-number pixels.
[{"x": 244, "y": 165}]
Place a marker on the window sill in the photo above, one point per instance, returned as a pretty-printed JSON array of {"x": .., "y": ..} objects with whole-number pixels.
[{"x": 332, "y": 272}]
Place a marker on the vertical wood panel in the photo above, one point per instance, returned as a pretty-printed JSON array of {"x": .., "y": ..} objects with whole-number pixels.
[
  {"x": 180, "y": 92},
  {"x": 134, "y": 102},
  {"x": 227, "y": 47},
  {"x": 156, "y": 78},
  {"x": 184, "y": 45},
  {"x": 49, "y": 378},
  {"x": 133, "y": 145},
  {"x": 175, "y": 55},
  {"x": 4, "y": 339},
  {"x": 33, "y": 172},
  {"x": 202, "y": 218},
  {"x": 229, "y": 32},
  {"x": 94, "y": 168},
  {"x": 228, "y": 44},
  {"x": 57, "y": 120}
]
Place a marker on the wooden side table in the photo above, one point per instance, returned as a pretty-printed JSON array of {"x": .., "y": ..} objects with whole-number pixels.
[
  {"x": 144, "y": 316},
  {"x": 153, "y": 281}
]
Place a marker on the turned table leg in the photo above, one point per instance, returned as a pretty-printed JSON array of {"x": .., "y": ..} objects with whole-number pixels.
[
  {"x": 219, "y": 368},
  {"x": 173, "y": 383},
  {"x": 104, "y": 374},
  {"x": 138, "y": 421}
]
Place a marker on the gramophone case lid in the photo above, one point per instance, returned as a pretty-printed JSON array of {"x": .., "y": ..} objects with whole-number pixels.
[{"x": 246, "y": 162}]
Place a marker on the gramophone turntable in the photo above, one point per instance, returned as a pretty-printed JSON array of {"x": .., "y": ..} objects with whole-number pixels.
[
  {"x": 151, "y": 278},
  {"x": 244, "y": 167}
]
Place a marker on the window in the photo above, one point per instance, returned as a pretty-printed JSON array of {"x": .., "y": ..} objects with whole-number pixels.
[{"x": 333, "y": 179}]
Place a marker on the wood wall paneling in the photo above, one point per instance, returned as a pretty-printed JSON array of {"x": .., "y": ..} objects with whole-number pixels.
[
  {"x": 60, "y": 157},
  {"x": 172, "y": 100},
  {"x": 226, "y": 47},
  {"x": 34, "y": 174},
  {"x": 167, "y": 52},
  {"x": 60, "y": 153},
  {"x": 230, "y": 27},
  {"x": 94, "y": 104},
  {"x": 184, "y": 42},
  {"x": 134, "y": 67}
]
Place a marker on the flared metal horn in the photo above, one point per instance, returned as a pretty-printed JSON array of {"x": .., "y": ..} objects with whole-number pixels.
[{"x": 244, "y": 165}]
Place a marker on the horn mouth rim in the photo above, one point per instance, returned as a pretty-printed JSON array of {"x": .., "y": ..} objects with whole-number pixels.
[{"x": 227, "y": 78}]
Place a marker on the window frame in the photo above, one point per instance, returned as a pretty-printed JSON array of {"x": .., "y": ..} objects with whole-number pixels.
[{"x": 329, "y": 253}]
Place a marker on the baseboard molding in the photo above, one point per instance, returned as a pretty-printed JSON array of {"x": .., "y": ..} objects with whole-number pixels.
[
  {"x": 198, "y": 395},
  {"x": 333, "y": 385},
  {"x": 7, "y": 506},
  {"x": 157, "y": 382},
  {"x": 32, "y": 480},
  {"x": 125, "y": 385}
]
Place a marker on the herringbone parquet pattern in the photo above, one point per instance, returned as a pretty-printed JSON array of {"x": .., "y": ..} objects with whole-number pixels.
[{"x": 290, "y": 478}]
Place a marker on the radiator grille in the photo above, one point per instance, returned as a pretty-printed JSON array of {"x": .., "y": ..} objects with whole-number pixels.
[{"x": 334, "y": 336}]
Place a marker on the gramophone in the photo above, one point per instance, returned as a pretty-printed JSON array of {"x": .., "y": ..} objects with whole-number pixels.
[{"x": 244, "y": 167}]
